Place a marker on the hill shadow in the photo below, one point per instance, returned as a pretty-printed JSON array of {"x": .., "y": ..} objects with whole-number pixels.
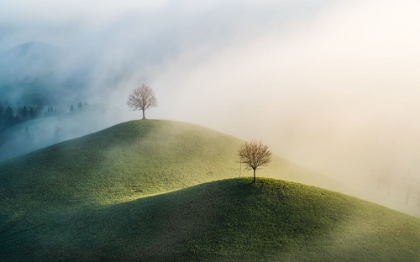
[{"x": 231, "y": 220}]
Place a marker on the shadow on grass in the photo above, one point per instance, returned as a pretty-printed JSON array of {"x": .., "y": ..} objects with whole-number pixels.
[{"x": 224, "y": 220}]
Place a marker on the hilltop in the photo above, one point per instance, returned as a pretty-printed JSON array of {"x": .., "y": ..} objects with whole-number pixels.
[
  {"x": 127, "y": 161},
  {"x": 228, "y": 220}
]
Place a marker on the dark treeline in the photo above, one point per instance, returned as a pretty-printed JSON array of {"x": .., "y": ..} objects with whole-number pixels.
[{"x": 12, "y": 115}]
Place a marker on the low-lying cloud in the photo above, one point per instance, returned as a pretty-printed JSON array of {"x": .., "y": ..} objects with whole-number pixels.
[{"x": 331, "y": 85}]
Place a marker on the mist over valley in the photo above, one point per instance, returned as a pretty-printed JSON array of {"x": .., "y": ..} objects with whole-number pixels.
[{"x": 330, "y": 87}]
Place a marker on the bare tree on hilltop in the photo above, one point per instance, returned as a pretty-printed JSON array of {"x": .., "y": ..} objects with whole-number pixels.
[
  {"x": 254, "y": 154},
  {"x": 142, "y": 98}
]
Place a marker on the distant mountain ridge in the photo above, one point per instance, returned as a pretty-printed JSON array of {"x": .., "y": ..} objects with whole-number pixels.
[
  {"x": 28, "y": 60},
  {"x": 32, "y": 48},
  {"x": 32, "y": 73}
]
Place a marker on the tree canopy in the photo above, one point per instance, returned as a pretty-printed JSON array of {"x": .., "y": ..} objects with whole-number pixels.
[
  {"x": 142, "y": 98},
  {"x": 254, "y": 154}
]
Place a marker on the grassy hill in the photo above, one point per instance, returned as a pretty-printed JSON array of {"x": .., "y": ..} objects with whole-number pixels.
[
  {"x": 227, "y": 220},
  {"x": 110, "y": 196},
  {"x": 125, "y": 162}
]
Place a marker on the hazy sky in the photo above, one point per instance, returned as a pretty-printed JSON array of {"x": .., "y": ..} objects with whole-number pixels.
[{"x": 333, "y": 85}]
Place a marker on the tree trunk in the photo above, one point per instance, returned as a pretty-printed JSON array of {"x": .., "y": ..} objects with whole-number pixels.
[
  {"x": 254, "y": 175},
  {"x": 144, "y": 116}
]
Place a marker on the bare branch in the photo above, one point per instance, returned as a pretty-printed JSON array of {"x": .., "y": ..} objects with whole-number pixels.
[
  {"x": 142, "y": 98},
  {"x": 254, "y": 154}
]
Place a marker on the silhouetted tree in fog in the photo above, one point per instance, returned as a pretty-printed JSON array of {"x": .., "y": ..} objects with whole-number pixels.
[
  {"x": 25, "y": 114},
  {"x": 31, "y": 113},
  {"x": 27, "y": 134},
  {"x": 142, "y": 98},
  {"x": 17, "y": 120},
  {"x": 49, "y": 112},
  {"x": 9, "y": 118},
  {"x": 417, "y": 199},
  {"x": 411, "y": 185},
  {"x": 38, "y": 110},
  {"x": 2, "y": 110},
  {"x": 19, "y": 114}
]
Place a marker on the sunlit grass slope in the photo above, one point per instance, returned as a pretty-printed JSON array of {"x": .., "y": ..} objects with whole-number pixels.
[
  {"x": 62, "y": 200},
  {"x": 227, "y": 220},
  {"x": 124, "y": 162}
]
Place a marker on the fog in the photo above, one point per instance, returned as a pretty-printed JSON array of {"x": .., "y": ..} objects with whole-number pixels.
[{"x": 331, "y": 85}]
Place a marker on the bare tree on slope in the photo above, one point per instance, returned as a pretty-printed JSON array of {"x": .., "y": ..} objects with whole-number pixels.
[
  {"x": 142, "y": 98},
  {"x": 254, "y": 154}
]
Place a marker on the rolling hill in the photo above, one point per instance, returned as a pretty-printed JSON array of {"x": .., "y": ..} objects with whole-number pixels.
[
  {"x": 227, "y": 220},
  {"x": 111, "y": 196},
  {"x": 130, "y": 160}
]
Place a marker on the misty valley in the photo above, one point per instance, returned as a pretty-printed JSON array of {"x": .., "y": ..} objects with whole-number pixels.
[
  {"x": 209, "y": 131},
  {"x": 39, "y": 105}
]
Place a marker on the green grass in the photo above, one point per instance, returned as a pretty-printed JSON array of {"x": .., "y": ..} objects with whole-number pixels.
[
  {"x": 227, "y": 220},
  {"x": 111, "y": 196},
  {"x": 124, "y": 162}
]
